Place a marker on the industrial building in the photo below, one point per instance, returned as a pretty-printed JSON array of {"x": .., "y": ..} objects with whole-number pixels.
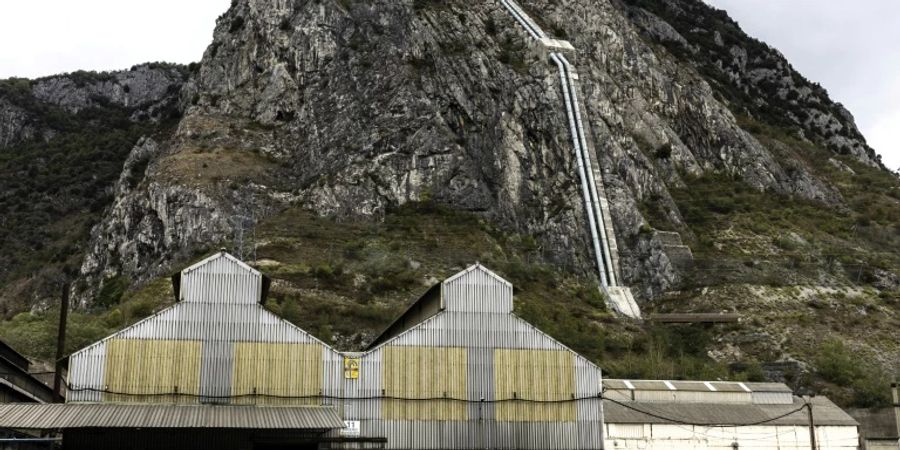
[
  {"x": 17, "y": 384},
  {"x": 457, "y": 370},
  {"x": 880, "y": 427},
  {"x": 640, "y": 413}
]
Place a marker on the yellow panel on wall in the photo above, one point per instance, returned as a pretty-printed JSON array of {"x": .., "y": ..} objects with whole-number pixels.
[
  {"x": 150, "y": 367},
  {"x": 544, "y": 375},
  {"x": 277, "y": 370},
  {"x": 419, "y": 373}
]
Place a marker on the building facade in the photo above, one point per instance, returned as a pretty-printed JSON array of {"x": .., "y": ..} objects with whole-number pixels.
[
  {"x": 457, "y": 370},
  {"x": 17, "y": 384},
  {"x": 464, "y": 373},
  {"x": 721, "y": 415}
]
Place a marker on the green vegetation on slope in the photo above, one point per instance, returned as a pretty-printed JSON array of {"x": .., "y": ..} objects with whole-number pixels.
[
  {"x": 52, "y": 193},
  {"x": 346, "y": 281},
  {"x": 34, "y": 333},
  {"x": 798, "y": 269}
]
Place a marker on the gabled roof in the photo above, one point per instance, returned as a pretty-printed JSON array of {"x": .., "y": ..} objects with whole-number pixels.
[
  {"x": 429, "y": 304},
  {"x": 478, "y": 267},
  {"x": 221, "y": 254},
  {"x": 176, "y": 278},
  {"x": 425, "y": 307}
]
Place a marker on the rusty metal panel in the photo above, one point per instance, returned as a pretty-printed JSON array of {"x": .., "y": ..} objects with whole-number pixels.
[
  {"x": 424, "y": 373},
  {"x": 151, "y": 368},
  {"x": 281, "y": 374},
  {"x": 543, "y": 375}
]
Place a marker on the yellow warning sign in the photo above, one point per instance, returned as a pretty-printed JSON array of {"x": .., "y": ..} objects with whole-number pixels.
[{"x": 351, "y": 368}]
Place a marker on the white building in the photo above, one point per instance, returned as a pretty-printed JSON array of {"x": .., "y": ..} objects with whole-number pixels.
[{"x": 643, "y": 414}]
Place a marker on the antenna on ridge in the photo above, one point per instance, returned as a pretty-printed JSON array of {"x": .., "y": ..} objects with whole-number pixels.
[{"x": 244, "y": 243}]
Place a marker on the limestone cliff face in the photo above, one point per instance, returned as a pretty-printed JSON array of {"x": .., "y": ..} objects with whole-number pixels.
[
  {"x": 350, "y": 107},
  {"x": 145, "y": 90},
  {"x": 754, "y": 77},
  {"x": 63, "y": 140},
  {"x": 15, "y": 125},
  {"x": 144, "y": 86}
]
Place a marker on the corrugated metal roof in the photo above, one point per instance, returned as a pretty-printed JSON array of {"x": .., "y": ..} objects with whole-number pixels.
[
  {"x": 71, "y": 415},
  {"x": 825, "y": 413},
  {"x": 649, "y": 385},
  {"x": 768, "y": 387},
  {"x": 729, "y": 387},
  {"x": 699, "y": 386}
]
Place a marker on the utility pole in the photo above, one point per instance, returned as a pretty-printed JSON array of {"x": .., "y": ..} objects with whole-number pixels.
[
  {"x": 812, "y": 424},
  {"x": 896, "y": 396},
  {"x": 61, "y": 344}
]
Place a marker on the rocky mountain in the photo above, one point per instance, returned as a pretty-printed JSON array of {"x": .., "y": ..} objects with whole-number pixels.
[
  {"x": 362, "y": 150},
  {"x": 62, "y": 143}
]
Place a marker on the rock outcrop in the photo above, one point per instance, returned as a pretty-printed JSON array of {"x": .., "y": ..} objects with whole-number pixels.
[
  {"x": 755, "y": 78},
  {"x": 352, "y": 107},
  {"x": 27, "y": 107}
]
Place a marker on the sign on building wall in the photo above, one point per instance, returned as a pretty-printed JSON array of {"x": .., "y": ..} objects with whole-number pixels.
[
  {"x": 351, "y": 368},
  {"x": 351, "y": 428}
]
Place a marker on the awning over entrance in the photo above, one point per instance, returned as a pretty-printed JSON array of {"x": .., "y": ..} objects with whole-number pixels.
[{"x": 75, "y": 415}]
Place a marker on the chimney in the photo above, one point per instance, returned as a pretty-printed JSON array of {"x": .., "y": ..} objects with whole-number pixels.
[
  {"x": 896, "y": 396},
  {"x": 61, "y": 345}
]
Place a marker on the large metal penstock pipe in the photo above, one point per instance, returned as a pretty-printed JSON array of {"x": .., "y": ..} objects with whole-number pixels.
[
  {"x": 586, "y": 154},
  {"x": 523, "y": 20},
  {"x": 534, "y": 26},
  {"x": 564, "y": 80}
]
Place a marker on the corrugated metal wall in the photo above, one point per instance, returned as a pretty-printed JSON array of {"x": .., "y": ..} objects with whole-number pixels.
[
  {"x": 472, "y": 376},
  {"x": 477, "y": 289},
  {"x": 217, "y": 345},
  {"x": 537, "y": 393}
]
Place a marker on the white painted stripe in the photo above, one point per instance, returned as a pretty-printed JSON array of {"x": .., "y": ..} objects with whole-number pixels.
[
  {"x": 710, "y": 386},
  {"x": 628, "y": 384},
  {"x": 670, "y": 385},
  {"x": 744, "y": 387}
]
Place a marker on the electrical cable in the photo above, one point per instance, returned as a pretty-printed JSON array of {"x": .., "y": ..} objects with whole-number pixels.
[
  {"x": 430, "y": 399},
  {"x": 710, "y": 425},
  {"x": 329, "y": 397}
]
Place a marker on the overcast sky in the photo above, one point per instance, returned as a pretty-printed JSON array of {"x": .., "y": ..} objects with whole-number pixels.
[
  {"x": 851, "y": 47},
  {"x": 45, "y": 37}
]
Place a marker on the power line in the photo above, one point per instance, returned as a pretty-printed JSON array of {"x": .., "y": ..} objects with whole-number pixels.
[
  {"x": 514, "y": 399},
  {"x": 710, "y": 425}
]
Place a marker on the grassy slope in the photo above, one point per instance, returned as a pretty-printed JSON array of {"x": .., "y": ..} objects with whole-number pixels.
[
  {"x": 345, "y": 282},
  {"x": 813, "y": 281}
]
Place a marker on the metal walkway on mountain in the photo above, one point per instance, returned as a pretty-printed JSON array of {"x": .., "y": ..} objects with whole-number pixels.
[{"x": 596, "y": 205}]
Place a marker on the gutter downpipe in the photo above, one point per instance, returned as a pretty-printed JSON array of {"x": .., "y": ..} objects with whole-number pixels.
[
  {"x": 595, "y": 196},
  {"x": 581, "y": 169}
]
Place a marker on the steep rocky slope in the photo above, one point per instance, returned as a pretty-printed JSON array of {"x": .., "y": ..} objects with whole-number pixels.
[
  {"x": 360, "y": 135},
  {"x": 63, "y": 140}
]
